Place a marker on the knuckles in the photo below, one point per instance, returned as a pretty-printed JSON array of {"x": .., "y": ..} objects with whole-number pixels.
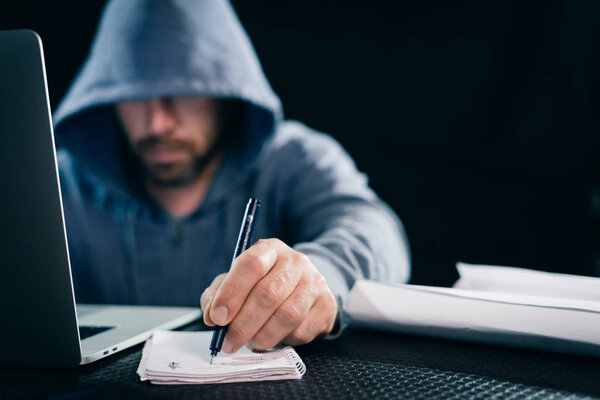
[
  {"x": 264, "y": 340},
  {"x": 300, "y": 336},
  {"x": 291, "y": 315},
  {"x": 269, "y": 293},
  {"x": 319, "y": 280},
  {"x": 254, "y": 262},
  {"x": 266, "y": 245},
  {"x": 229, "y": 292},
  {"x": 237, "y": 333},
  {"x": 301, "y": 259},
  {"x": 312, "y": 329},
  {"x": 271, "y": 289},
  {"x": 269, "y": 243}
]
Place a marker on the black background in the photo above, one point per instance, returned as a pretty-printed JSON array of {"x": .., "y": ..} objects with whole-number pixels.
[{"x": 474, "y": 120}]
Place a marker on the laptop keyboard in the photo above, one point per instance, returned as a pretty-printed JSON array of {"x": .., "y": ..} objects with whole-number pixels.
[{"x": 87, "y": 331}]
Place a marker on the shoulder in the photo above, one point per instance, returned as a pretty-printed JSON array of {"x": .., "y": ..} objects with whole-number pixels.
[
  {"x": 64, "y": 160},
  {"x": 294, "y": 141},
  {"x": 75, "y": 180},
  {"x": 301, "y": 159},
  {"x": 67, "y": 168}
]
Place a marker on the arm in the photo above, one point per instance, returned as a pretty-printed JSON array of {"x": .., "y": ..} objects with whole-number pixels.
[
  {"x": 341, "y": 225},
  {"x": 340, "y": 232}
]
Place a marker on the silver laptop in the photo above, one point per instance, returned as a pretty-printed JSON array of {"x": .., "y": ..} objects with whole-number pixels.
[{"x": 41, "y": 325}]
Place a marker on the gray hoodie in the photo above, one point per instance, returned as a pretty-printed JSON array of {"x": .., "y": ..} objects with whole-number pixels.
[{"x": 124, "y": 248}]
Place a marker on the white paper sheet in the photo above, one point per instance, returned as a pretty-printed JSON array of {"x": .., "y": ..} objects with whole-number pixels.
[
  {"x": 523, "y": 281},
  {"x": 183, "y": 357},
  {"x": 566, "y": 325}
]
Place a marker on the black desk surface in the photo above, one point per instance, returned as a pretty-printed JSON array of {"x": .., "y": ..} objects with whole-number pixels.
[{"x": 360, "y": 364}]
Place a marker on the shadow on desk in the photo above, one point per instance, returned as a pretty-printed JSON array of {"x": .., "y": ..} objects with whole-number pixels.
[{"x": 360, "y": 364}]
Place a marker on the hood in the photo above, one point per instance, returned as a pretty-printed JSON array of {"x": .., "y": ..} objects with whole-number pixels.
[{"x": 145, "y": 49}]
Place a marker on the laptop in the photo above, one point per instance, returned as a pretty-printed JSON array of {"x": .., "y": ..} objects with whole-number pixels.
[{"x": 41, "y": 323}]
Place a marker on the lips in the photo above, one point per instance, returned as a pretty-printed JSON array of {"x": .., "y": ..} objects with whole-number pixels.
[{"x": 164, "y": 154}]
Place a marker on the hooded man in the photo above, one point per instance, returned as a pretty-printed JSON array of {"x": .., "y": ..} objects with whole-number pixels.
[{"x": 168, "y": 129}]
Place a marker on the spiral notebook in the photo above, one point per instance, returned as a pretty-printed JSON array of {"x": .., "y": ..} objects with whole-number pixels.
[{"x": 172, "y": 358}]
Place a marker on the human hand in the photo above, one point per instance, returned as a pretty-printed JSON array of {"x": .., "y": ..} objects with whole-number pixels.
[{"x": 271, "y": 294}]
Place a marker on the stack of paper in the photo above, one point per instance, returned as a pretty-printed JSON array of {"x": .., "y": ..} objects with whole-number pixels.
[
  {"x": 497, "y": 305},
  {"x": 492, "y": 278},
  {"x": 183, "y": 357}
]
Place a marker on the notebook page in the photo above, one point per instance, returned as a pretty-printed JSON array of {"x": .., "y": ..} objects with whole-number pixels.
[{"x": 185, "y": 355}]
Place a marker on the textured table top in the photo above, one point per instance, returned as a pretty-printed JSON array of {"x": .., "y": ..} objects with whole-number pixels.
[{"x": 360, "y": 364}]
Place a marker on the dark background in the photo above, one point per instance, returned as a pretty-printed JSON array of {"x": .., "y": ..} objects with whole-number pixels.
[{"x": 474, "y": 120}]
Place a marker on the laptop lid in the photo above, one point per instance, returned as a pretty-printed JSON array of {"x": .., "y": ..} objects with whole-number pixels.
[{"x": 39, "y": 324}]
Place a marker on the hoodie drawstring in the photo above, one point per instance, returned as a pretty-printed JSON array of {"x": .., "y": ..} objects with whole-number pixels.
[{"x": 130, "y": 243}]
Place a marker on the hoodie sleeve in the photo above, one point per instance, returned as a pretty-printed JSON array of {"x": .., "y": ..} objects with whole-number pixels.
[{"x": 337, "y": 220}]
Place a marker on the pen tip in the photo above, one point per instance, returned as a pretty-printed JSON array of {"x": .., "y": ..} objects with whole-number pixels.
[{"x": 211, "y": 360}]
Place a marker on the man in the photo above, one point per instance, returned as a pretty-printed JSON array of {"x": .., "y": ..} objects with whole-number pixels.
[{"x": 166, "y": 132}]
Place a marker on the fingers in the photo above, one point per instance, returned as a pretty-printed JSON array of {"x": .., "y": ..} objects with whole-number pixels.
[
  {"x": 319, "y": 321},
  {"x": 266, "y": 297},
  {"x": 272, "y": 293},
  {"x": 208, "y": 296},
  {"x": 246, "y": 271},
  {"x": 292, "y": 312}
]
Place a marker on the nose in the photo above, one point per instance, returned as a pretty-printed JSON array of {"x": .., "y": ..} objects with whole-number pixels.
[{"x": 161, "y": 118}]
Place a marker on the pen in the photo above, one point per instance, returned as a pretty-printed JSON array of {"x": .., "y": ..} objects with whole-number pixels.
[{"x": 244, "y": 239}]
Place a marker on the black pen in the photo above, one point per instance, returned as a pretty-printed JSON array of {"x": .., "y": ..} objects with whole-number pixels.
[{"x": 244, "y": 240}]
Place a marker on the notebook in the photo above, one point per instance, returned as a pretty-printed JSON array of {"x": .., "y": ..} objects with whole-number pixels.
[{"x": 171, "y": 358}]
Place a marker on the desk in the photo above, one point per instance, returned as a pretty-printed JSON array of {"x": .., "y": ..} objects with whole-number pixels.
[{"x": 360, "y": 364}]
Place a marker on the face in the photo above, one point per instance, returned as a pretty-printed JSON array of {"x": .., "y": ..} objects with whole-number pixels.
[{"x": 173, "y": 138}]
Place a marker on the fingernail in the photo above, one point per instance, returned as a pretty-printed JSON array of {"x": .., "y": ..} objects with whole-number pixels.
[
  {"x": 219, "y": 315},
  {"x": 227, "y": 346}
]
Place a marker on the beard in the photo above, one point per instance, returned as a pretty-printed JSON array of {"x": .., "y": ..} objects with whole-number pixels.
[{"x": 177, "y": 173}]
